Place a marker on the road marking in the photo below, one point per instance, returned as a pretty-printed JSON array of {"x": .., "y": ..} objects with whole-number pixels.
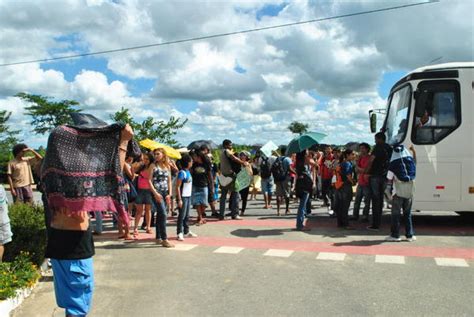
[
  {"x": 451, "y": 262},
  {"x": 392, "y": 259},
  {"x": 183, "y": 247},
  {"x": 331, "y": 256},
  {"x": 279, "y": 253},
  {"x": 228, "y": 250}
]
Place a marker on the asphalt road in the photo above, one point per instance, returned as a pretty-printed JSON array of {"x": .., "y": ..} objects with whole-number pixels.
[{"x": 260, "y": 267}]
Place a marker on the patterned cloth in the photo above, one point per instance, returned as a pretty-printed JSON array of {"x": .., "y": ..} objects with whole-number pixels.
[
  {"x": 160, "y": 180},
  {"x": 81, "y": 169}
]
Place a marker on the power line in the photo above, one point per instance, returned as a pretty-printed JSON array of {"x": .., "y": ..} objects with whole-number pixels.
[{"x": 193, "y": 39}]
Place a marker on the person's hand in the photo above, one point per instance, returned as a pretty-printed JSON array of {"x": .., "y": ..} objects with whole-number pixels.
[
  {"x": 180, "y": 203},
  {"x": 158, "y": 198},
  {"x": 168, "y": 199},
  {"x": 13, "y": 191},
  {"x": 246, "y": 164},
  {"x": 411, "y": 148},
  {"x": 126, "y": 133}
]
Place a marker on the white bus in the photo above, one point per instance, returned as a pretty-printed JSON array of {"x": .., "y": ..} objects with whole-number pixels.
[{"x": 432, "y": 108}]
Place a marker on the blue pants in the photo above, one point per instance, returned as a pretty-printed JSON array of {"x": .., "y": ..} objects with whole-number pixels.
[
  {"x": 399, "y": 203},
  {"x": 98, "y": 221},
  {"x": 302, "y": 210},
  {"x": 234, "y": 202},
  {"x": 362, "y": 192},
  {"x": 183, "y": 215},
  {"x": 74, "y": 285},
  {"x": 161, "y": 218}
]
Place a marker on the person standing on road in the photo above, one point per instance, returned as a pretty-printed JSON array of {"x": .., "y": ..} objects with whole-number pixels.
[
  {"x": 144, "y": 199},
  {"x": 281, "y": 170},
  {"x": 183, "y": 191},
  {"x": 363, "y": 187},
  {"x": 160, "y": 187},
  {"x": 326, "y": 171},
  {"x": 75, "y": 185},
  {"x": 377, "y": 169},
  {"x": 20, "y": 176},
  {"x": 343, "y": 186},
  {"x": 303, "y": 186},
  {"x": 230, "y": 166},
  {"x": 402, "y": 175},
  {"x": 244, "y": 192},
  {"x": 202, "y": 184},
  {"x": 267, "y": 181}
]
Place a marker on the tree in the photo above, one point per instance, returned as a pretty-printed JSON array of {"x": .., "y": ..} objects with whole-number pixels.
[
  {"x": 8, "y": 138},
  {"x": 298, "y": 127},
  {"x": 47, "y": 114},
  {"x": 150, "y": 128}
]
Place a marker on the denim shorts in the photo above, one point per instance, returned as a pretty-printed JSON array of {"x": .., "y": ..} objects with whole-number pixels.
[
  {"x": 199, "y": 197},
  {"x": 267, "y": 186},
  {"x": 74, "y": 285},
  {"x": 144, "y": 197}
]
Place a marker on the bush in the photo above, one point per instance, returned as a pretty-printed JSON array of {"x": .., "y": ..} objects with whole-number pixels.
[
  {"x": 16, "y": 275},
  {"x": 29, "y": 233}
]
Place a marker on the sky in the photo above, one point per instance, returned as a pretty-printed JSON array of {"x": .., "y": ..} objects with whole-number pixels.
[{"x": 245, "y": 87}]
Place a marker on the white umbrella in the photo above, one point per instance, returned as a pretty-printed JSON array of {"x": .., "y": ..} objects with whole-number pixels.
[{"x": 268, "y": 148}]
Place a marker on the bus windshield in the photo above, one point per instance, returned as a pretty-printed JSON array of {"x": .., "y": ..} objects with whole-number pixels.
[{"x": 396, "y": 123}]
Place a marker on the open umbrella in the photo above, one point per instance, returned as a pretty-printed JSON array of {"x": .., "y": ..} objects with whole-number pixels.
[
  {"x": 197, "y": 144},
  {"x": 304, "y": 142},
  {"x": 152, "y": 145}
]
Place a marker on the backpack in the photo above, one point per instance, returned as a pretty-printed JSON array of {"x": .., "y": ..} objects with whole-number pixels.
[
  {"x": 278, "y": 170},
  {"x": 265, "y": 168}
]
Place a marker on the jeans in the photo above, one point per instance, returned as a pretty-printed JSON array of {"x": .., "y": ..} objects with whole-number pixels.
[
  {"x": 399, "y": 203},
  {"x": 362, "y": 192},
  {"x": 244, "y": 195},
  {"x": 327, "y": 192},
  {"x": 98, "y": 221},
  {"x": 161, "y": 217},
  {"x": 343, "y": 196},
  {"x": 234, "y": 203},
  {"x": 308, "y": 210},
  {"x": 377, "y": 186},
  {"x": 302, "y": 210},
  {"x": 183, "y": 215}
]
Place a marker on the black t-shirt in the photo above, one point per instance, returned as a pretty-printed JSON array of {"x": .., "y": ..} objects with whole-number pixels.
[
  {"x": 69, "y": 244},
  {"x": 200, "y": 172},
  {"x": 382, "y": 153}
]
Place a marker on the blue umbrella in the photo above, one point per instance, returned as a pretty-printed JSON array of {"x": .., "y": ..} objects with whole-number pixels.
[{"x": 304, "y": 141}]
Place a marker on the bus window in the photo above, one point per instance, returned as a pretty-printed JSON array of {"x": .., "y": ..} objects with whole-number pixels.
[
  {"x": 437, "y": 111},
  {"x": 396, "y": 123}
]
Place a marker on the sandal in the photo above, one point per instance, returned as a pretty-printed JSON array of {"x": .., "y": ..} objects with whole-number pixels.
[
  {"x": 167, "y": 244},
  {"x": 149, "y": 231}
]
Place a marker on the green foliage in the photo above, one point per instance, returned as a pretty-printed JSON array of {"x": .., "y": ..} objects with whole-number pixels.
[
  {"x": 237, "y": 148},
  {"x": 29, "y": 232},
  {"x": 150, "y": 128},
  {"x": 298, "y": 127},
  {"x": 47, "y": 114},
  {"x": 8, "y": 138},
  {"x": 18, "y": 274}
]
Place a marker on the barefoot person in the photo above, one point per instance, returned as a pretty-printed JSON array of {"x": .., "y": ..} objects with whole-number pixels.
[{"x": 75, "y": 185}]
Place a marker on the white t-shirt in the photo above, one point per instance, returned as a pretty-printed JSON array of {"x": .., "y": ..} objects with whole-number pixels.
[{"x": 401, "y": 189}]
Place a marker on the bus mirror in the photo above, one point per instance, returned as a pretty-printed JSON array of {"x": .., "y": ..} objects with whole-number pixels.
[{"x": 373, "y": 121}]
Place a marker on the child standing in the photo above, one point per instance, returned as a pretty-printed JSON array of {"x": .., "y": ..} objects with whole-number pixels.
[{"x": 184, "y": 185}]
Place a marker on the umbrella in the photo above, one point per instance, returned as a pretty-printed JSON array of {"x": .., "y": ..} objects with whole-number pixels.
[
  {"x": 197, "y": 144},
  {"x": 152, "y": 145},
  {"x": 304, "y": 142},
  {"x": 268, "y": 148}
]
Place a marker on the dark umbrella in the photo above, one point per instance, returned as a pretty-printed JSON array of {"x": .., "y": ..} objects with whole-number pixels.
[
  {"x": 197, "y": 144},
  {"x": 304, "y": 142},
  {"x": 354, "y": 146}
]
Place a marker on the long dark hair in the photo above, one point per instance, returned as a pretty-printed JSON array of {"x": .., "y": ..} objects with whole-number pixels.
[
  {"x": 300, "y": 161},
  {"x": 150, "y": 157},
  {"x": 344, "y": 155}
]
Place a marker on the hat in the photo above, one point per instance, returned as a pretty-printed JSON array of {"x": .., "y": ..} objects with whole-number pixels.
[{"x": 245, "y": 153}]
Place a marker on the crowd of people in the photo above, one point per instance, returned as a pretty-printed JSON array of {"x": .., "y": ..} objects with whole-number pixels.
[{"x": 153, "y": 187}]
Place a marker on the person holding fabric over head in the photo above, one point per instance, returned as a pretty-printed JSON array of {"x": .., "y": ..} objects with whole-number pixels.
[
  {"x": 244, "y": 156},
  {"x": 81, "y": 172}
]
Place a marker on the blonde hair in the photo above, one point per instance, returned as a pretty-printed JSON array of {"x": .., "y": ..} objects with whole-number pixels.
[{"x": 165, "y": 160}]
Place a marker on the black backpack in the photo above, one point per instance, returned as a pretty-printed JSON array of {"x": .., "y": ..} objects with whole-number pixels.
[
  {"x": 265, "y": 168},
  {"x": 278, "y": 170}
]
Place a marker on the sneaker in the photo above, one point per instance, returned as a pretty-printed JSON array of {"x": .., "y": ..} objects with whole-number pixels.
[
  {"x": 159, "y": 241},
  {"x": 167, "y": 244},
  {"x": 411, "y": 239},
  {"x": 237, "y": 218},
  {"x": 180, "y": 237},
  {"x": 372, "y": 228},
  {"x": 392, "y": 239},
  {"x": 191, "y": 235}
]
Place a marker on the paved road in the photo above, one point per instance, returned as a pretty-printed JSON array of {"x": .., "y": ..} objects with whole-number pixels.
[{"x": 260, "y": 267}]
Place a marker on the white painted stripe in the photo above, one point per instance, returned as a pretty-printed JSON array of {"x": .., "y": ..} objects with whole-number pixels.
[
  {"x": 392, "y": 259},
  {"x": 183, "y": 247},
  {"x": 451, "y": 262},
  {"x": 279, "y": 253},
  {"x": 331, "y": 256},
  {"x": 228, "y": 250}
]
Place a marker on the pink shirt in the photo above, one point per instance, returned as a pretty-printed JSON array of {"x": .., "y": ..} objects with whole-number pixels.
[
  {"x": 143, "y": 181},
  {"x": 363, "y": 179}
]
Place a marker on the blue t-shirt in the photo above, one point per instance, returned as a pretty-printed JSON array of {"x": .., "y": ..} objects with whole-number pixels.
[
  {"x": 286, "y": 164},
  {"x": 187, "y": 181},
  {"x": 346, "y": 168}
]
